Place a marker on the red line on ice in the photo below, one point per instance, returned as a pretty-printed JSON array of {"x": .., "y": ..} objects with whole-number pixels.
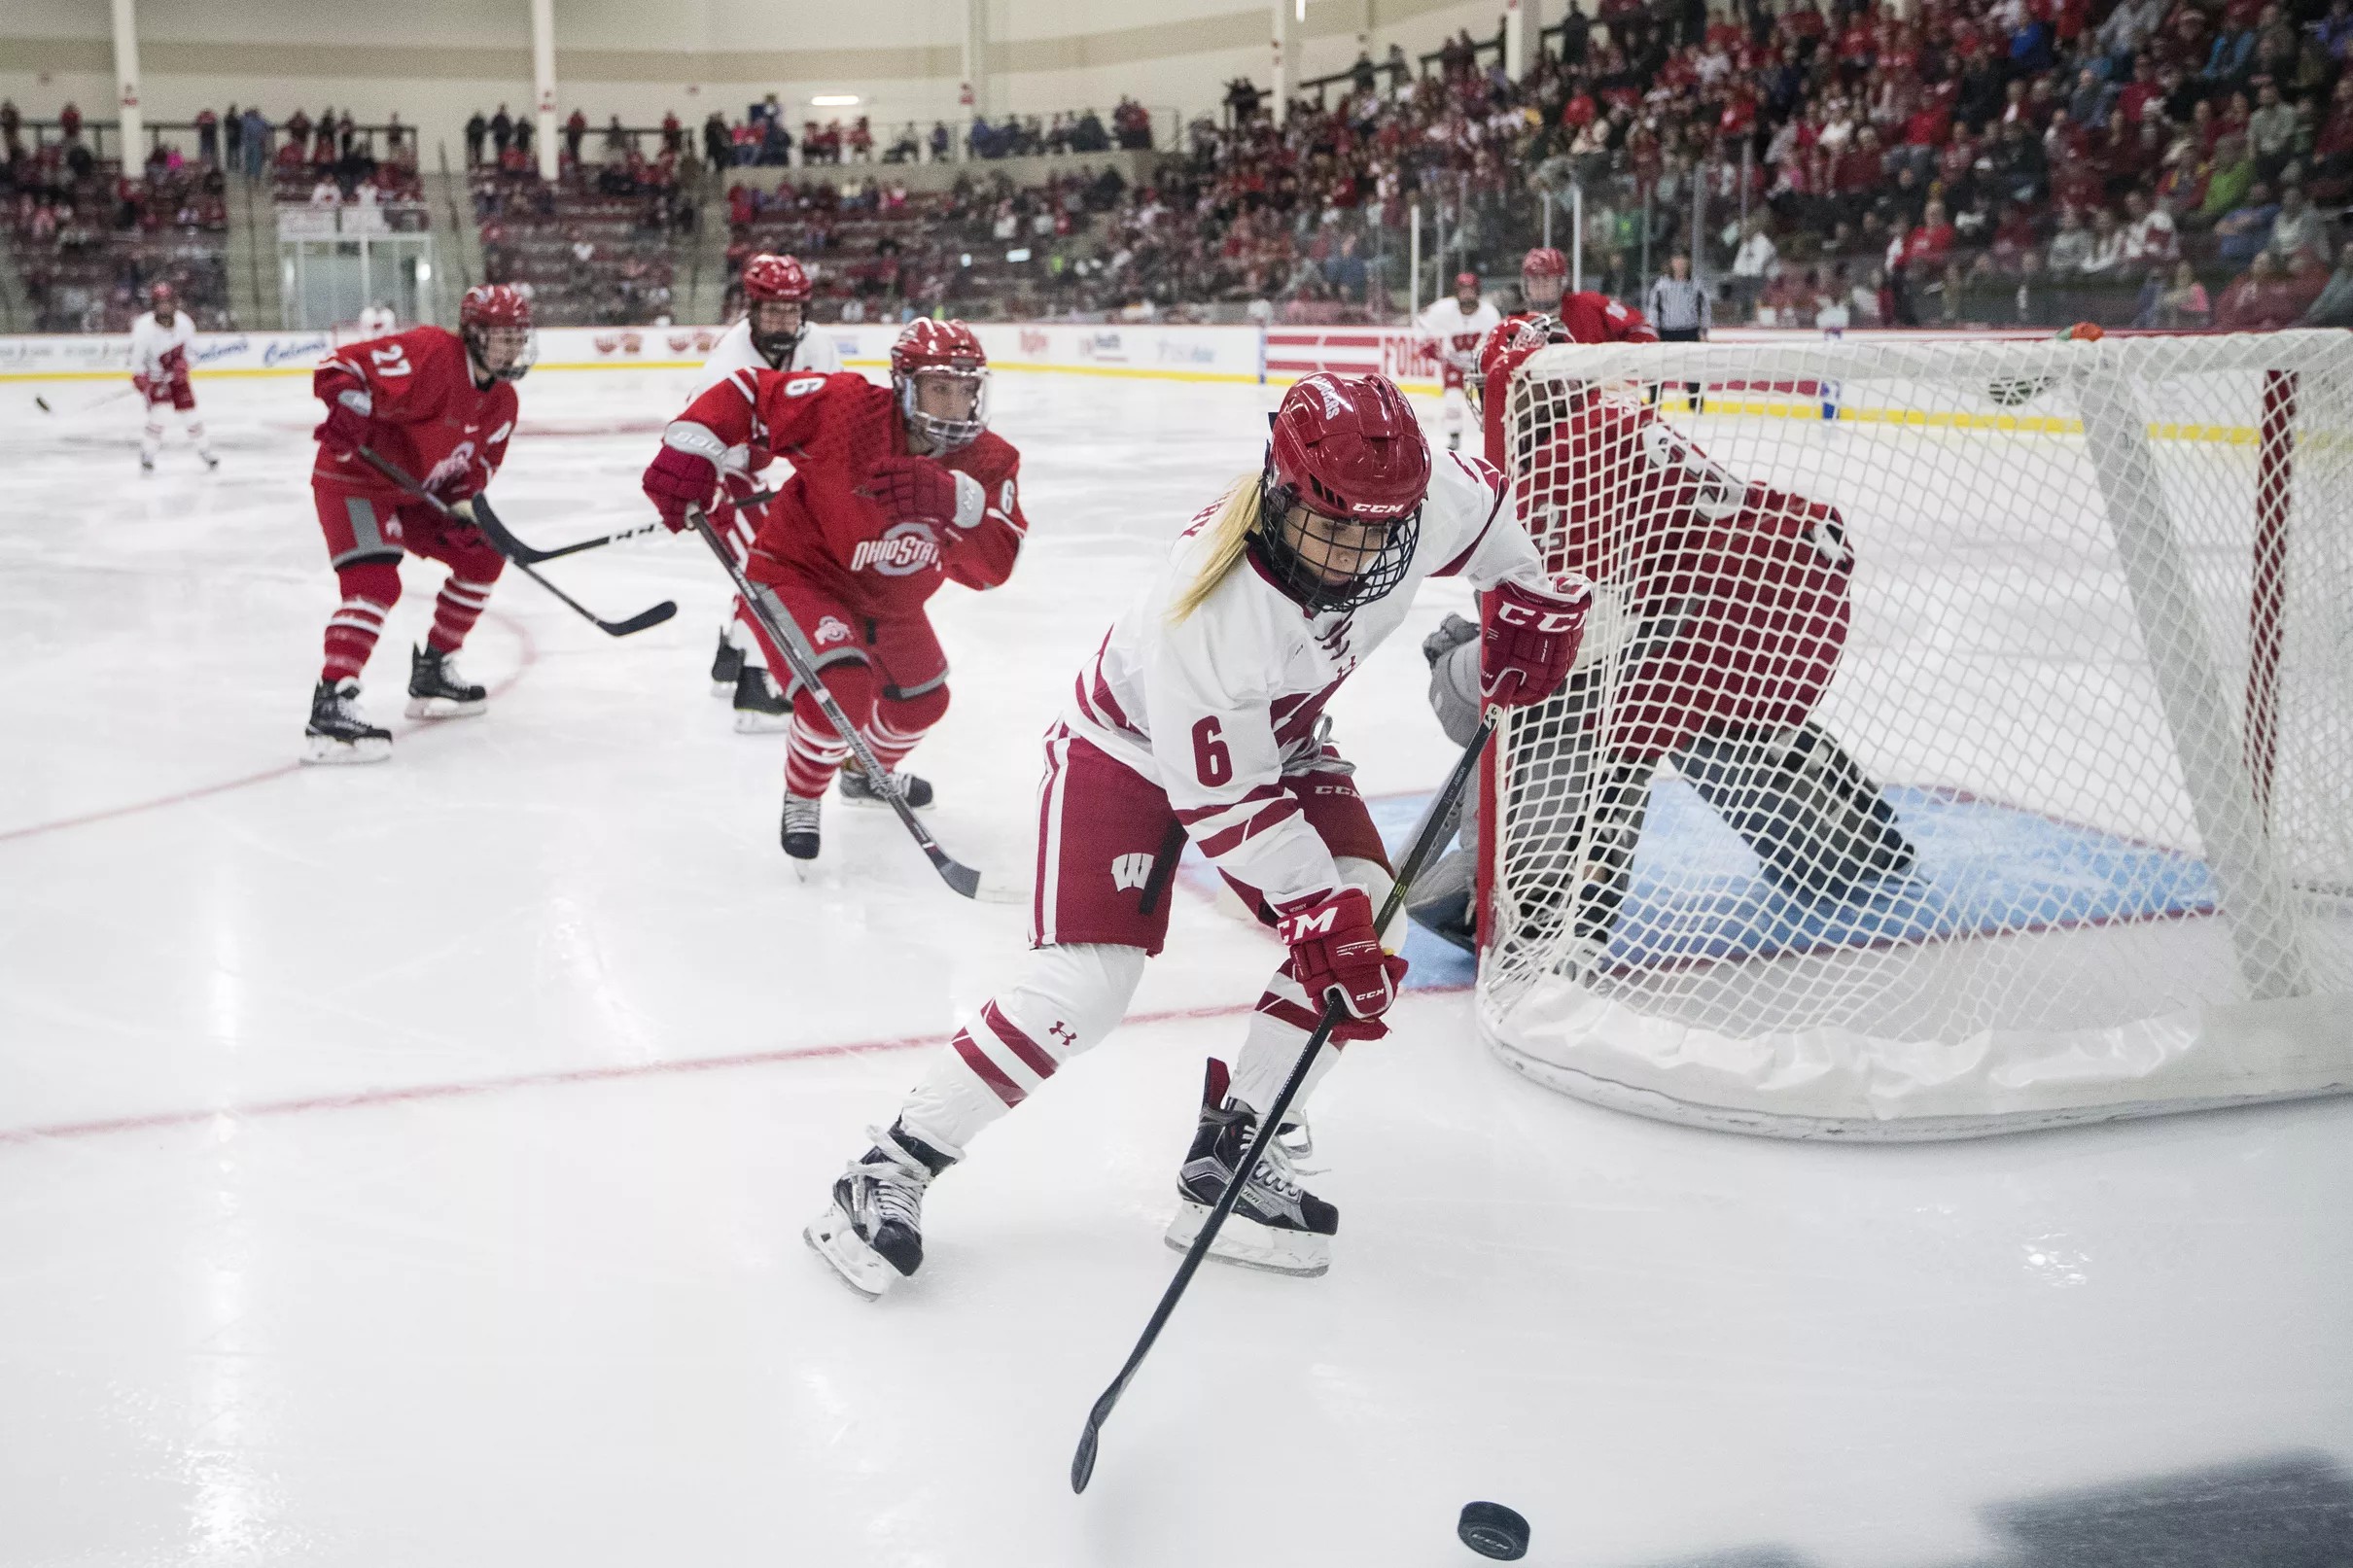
[{"x": 367, "y": 1098}]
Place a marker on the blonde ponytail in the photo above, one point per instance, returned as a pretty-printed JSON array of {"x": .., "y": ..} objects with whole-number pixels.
[{"x": 1229, "y": 537}]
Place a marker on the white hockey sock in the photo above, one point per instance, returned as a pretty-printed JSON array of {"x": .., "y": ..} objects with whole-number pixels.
[
  {"x": 1070, "y": 998},
  {"x": 1271, "y": 1050},
  {"x": 196, "y": 433},
  {"x": 1453, "y": 403},
  {"x": 151, "y": 440}
]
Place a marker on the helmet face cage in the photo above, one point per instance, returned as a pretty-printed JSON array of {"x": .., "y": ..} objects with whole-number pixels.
[
  {"x": 1271, "y": 542},
  {"x": 770, "y": 279},
  {"x": 777, "y": 348},
  {"x": 493, "y": 308},
  {"x": 526, "y": 351},
  {"x": 944, "y": 435}
]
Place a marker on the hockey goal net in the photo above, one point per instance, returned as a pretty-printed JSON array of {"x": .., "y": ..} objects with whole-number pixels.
[{"x": 1964, "y": 740}]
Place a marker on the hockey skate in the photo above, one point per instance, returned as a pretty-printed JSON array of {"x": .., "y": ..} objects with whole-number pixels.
[
  {"x": 336, "y": 733},
  {"x": 1276, "y": 1224},
  {"x": 799, "y": 832},
  {"x": 435, "y": 690},
  {"x": 857, "y": 790},
  {"x": 727, "y": 665},
  {"x": 872, "y": 1232},
  {"x": 759, "y": 708}
]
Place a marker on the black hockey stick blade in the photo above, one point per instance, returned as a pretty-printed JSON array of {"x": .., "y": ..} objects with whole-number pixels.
[
  {"x": 1425, "y": 844},
  {"x": 491, "y": 530},
  {"x": 794, "y": 643}
]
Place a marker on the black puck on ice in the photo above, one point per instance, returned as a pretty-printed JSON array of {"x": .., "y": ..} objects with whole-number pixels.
[{"x": 1492, "y": 1530}]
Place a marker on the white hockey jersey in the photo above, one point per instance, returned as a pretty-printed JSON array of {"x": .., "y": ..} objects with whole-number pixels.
[
  {"x": 160, "y": 353},
  {"x": 1217, "y": 709},
  {"x": 1457, "y": 334},
  {"x": 815, "y": 352}
]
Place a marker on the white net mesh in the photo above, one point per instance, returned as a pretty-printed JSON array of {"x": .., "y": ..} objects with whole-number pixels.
[{"x": 1965, "y": 738}]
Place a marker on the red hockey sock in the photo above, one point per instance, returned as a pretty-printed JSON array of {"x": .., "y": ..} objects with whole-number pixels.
[
  {"x": 900, "y": 724},
  {"x": 460, "y": 605},
  {"x": 371, "y": 588},
  {"x": 814, "y": 752}
]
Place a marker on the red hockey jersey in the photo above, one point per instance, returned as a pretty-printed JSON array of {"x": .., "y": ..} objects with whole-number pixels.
[
  {"x": 1730, "y": 599},
  {"x": 432, "y": 420},
  {"x": 824, "y": 527}
]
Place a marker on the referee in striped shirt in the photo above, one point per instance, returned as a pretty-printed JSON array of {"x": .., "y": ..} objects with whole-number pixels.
[{"x": 1678, "y": 307}]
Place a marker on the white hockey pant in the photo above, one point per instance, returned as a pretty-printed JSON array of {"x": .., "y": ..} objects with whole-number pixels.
[{"x": 1074, "y": 994}]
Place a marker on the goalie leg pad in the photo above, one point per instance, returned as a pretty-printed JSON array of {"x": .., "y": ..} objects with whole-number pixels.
[{"x": 1818, "y": 823}]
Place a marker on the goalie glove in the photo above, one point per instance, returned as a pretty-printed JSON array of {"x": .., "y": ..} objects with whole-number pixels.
[{"x": 1528, "y": 637}]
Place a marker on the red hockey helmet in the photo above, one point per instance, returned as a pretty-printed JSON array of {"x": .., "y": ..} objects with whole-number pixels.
[
  {"x": 1466, "y": 280},
  {"x": 495, "y": 321},
  {"x": 777, "y": 277},
  {"x": 1543, "y": 278},
  {"x": 1350, "y": 451},
  {"x": 777, "y": 280},
  {"x": 1544, "y": 262},
  {"x": 161, "y": 295},
  {"x": 931, "y": 351}
]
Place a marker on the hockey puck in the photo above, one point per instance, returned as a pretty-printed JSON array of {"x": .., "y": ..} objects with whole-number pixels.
[{"x": 1492, "y": 1530}]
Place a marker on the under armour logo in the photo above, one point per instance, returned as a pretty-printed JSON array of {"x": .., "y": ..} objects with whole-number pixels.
[
  {"x": 1131, "y": 871},
  {"x": 1062, "y": 1032}
]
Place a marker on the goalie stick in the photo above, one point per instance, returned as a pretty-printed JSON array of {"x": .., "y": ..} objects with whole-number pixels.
[
  {"x": 1425, "y": 843},
  {"x": 500, "y": 538},
  {"x": 794, "y": 644}
]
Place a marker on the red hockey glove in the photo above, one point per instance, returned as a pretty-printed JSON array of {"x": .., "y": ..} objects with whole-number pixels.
[
  {"x": 918, "y": 488},
  {"x": 676, "y": 480},
  {"x": 1336, "y": 952},
  {"x": 1528, "y": 639},
  {"x": 347, "y": 425}
]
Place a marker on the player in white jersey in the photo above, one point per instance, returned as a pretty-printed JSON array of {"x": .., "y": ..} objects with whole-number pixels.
[
  {"x": 1455, "y": 328},
  {"x": 377, "y": 321},
  {"x": 1201, "y": 716},
  {"x": 159, "y": 345},
  {"x": 773, "y": 335}
]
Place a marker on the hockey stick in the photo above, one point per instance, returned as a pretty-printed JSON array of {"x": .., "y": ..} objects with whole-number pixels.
[
  {"x": 652, "y": 615},
  {"x": 1425, "y": 844},
  {"x": 794, "y": 644},
  {"x": 86, "y": 405},
  {"x": 522, "y": 554}
]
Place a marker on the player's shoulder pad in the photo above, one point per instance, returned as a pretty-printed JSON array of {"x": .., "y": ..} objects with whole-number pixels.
[{"x": 990, "y": 454}]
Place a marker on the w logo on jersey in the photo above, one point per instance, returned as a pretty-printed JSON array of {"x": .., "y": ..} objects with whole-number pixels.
[
  {"x": 905, "y": 549},
  {"x": 1131, "y": 871}
]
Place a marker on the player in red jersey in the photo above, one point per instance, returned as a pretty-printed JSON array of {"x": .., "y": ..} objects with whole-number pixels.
[
  {"x": 1722, "y": 609},
  {"x": 893, "y": 491},
  {"x": 1557, "y": 316},
  {"x": 440, "y": 406}
]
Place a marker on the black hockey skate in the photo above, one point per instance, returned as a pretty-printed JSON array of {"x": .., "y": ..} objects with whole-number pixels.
[
  {"x": 1276, "y": 1224},
  {"x": 725, "y": 666},
  {"x": 872, "y": 1232},
  {"x": 799, "y": 832},
  {"x": 759, "y": 708},
  {"x": 336, "y": 733},
  {"x": 435, "y": 690},
  {"x": 857, "y": 790}
]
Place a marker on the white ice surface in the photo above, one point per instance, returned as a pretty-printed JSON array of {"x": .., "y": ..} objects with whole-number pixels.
[{"x": 405, "y": 1165}]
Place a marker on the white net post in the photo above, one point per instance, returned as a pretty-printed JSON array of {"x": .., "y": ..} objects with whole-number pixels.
[{"x": 1970, "y": 751}]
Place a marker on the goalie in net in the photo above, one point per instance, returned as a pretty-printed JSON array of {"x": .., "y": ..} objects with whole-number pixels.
[{"x": 1722, "y": 609}]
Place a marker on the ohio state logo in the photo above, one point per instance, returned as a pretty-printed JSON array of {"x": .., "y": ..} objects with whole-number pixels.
[
  {"x": 905, "y": 549},
  {"x": 832, "y": 630}
]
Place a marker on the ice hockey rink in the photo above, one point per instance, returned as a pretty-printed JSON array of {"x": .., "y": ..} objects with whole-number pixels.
[{"x": 405, "y": 1164}]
